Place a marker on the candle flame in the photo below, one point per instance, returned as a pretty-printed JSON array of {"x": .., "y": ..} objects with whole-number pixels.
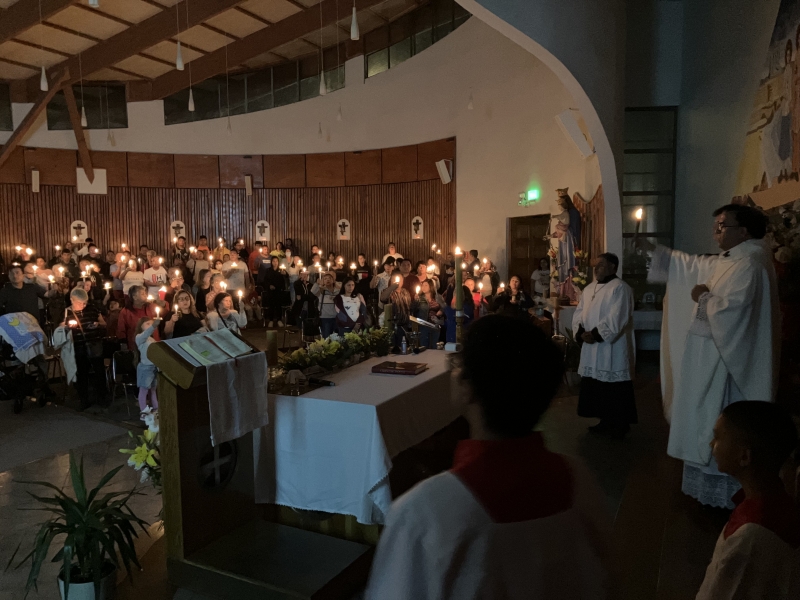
[
  {"x": 149, "y": 297},
  {"x": 480, "y": 285},
  {"x": 158, "y": 310},
  {"x": 353, "y": 266},
  {"x": 458, "y": 250},
  {"x": 397, "y": 279},
  {"x": 485, "y": 260},
  {"x": 418, "y": 289},
  {"x": 163, "y": 288},
  {"x": 463, "y": 266},
  {"x": 638, "y": 214},
  {"x": 240, "y": 292}
]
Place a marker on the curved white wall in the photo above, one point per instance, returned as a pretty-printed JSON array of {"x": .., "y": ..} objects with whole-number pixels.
[
  {"x": 509, "y": 142},
  {"x": 583, "y": 42}
]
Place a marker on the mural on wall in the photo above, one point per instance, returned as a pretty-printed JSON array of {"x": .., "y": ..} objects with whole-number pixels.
[{"x": 769, "y": 174}]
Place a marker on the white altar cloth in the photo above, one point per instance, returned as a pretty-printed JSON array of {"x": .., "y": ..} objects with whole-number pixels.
[{"x": 331, "y": 449}]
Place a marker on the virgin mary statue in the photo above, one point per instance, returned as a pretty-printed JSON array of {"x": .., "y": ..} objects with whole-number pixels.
[{"x": 565, "y": 231}]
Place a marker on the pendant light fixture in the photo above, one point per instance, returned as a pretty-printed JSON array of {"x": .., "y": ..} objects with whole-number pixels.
[
  {"x": 354, "y": 33},
  {"x": 179, "y": 55},
  {"x": 227, "y": 92},
  {"x": 339, "y": 114},
  {"x": 319, "y": 132},
  {"x": 94, "y": 3},
  {"x": 84, "y": 122},
  {"x": 43, "y": 83},
  {"x": 323, "y": 89},
  {"x": 191, "y": 95}
]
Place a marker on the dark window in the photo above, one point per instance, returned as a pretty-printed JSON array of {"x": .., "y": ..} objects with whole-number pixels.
[
  {"x": 6, "y": 122},
  {"x": 105, "y": 106},
  {"x": 648, "y": 182},
  {"x": 390, "y": 45}
]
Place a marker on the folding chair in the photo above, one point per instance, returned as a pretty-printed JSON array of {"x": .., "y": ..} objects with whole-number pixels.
[{"x": 123, "y": 372}]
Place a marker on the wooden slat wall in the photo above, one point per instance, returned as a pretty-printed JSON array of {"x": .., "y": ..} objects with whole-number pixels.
[{"x": 378, "y": 214}]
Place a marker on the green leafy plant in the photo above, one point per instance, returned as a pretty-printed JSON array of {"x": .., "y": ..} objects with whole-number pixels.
[{"x": 96, "y": 529}]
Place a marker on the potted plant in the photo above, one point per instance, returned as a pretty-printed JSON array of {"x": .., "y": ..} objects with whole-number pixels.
[{"x": 97, "y": 528}]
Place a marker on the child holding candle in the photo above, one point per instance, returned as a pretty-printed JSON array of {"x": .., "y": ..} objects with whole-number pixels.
[
  {"x": 146, "y": 371},
  {"x": 185, "y": 320}
]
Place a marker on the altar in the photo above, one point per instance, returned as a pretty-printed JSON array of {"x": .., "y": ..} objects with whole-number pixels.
[{"x": 331, "y": 449}]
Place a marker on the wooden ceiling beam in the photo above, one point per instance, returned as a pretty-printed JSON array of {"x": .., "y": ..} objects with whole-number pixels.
[
  {"x": 80, "y": 34},
  {"x": 55, "y": 82},
  {"x": 253, "y": 15},
  {"x": 259, "y": 42},
  {"x": 80, "y": 135},
  {"x": 220, "y": 31},
  {"x": 24, "y": 14},
  {"x": 136, "y": 38}
]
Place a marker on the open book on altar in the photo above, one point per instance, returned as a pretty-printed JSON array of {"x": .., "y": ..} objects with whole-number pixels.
[{"x": 214, "y": 347}]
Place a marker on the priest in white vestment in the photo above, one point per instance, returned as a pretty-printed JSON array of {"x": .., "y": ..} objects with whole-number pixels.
[
  {"x": 719, "y": 342},
  {"x": 603, "y": 324},
  {"x": 511, "y": 520}
]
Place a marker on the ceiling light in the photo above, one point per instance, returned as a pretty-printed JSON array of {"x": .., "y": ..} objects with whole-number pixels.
[
  {"x": 94, "y": 3},
  {"x": 191, "y": 100},
  {"x": 84, "y": 122},
  {"x": 323, "y": 89},
  {"x": 354, "y": 33},
  {"x": 43, "y": 85},
  {"x": 179, "y": 58}
]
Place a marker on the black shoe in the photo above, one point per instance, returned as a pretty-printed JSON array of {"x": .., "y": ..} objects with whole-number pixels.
[{"x": 602, "y": 427}]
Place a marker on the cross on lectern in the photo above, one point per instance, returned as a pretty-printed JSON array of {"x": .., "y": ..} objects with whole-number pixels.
[
  {"x": 177, "y": 228},
  {"x": 78, "y": 228},
  {"x": 416, "y": 225},
  {"x": 217, "y": 467},
  {"x": 262, "y": 229},
  {"x": 343, "y": 227}
]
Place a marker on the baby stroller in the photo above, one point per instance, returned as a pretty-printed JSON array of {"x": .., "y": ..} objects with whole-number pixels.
[{"x": 21, "y": 354}]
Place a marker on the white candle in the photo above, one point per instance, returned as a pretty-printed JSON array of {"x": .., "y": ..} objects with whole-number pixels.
[
  {"x": 160, "y": 260},
  {"x": 107, "y": 286},
  {"x": 28, "y": 251},
  {"x": 240, "y": 293},
  {"x": 175, "y": 306},
  {"x": 174, "y": 240},
  {"x": 158, "y": 310},
  {"x": 192, "y": 249},
  {"x": 149, "y": 297},
  {"x": 224, "y": 286}
]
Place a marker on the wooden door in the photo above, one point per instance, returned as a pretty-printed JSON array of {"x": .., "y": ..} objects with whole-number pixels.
[{"x": 525, "y": 246}]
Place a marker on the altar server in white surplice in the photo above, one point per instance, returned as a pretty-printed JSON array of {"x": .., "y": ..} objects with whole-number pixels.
[
  {"x": 719, "y": 341},
  {"x": 603, "y": 325},
  {"x": 511, "y": 520}
]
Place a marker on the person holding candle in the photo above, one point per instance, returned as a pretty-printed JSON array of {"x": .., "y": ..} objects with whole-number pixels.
[
  {"x": 70, "y": 269},
  {"x": 202, "y": 288},
  {"x": 129, "y": 275},
  {"x": 88, "y": 330},
  {"x": 136, "y": 307},
  {"x": 278, "y": 251},
  {"x": 185, "y": 320},
  {"x": 326, "y": 290},
  {"x": 380, "y": 282},
  {"x": 176, "y": 284},
  {"x": 146, "y": 371},
  {"x": 362, "y": 277},
  {"x": 224, "y": 316},
  {"x": 410, "y": 280},
  {"x": 436, "y": 270},
  {"x": 292, "y": 265},
  {"x": 198, "y": 262},
  {"x": 236, "y": 272},
  {"x": 155, "y": 276},
  {"x": 219, "y": 251},
  {"x": 274, "y": 282},
  {"x": 512, "y": 301},
  {"x": 304, "y": 306},
  {"x": 217, "y": 285},
  {"x": 202, "y": 245}
]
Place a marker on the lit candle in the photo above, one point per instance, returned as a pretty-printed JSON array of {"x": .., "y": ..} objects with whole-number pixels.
[
  {"x": 480, "y": 286},
  {"x": 329, "y": 265},
  {"x": 433, "y": 247},
  {"x": 61, "y": 270},
  {"x": 74, "y": 238},
  {"x": 107, "y": 286},
  {"x": 50, "y": 278},
  {"x": 305, "y": 270},
  {"x": 234, "y": 265},
  {"x": 28, "y": 251},
  {"x": 352, "y": 266},
  {"x": 240, "y": 293},
  {"x": 174, "y": 240},
  {"x": 431, "y": 268},
  {"x": 502, "y": 286},
  {"x": 158, "y": 310},
  {"x": 418, "y": 290},
  {"x": 73, "y": 323},
  {"x": 375, "y": 262},
  {"x": 160, "y": 260},
  {"x": 340, "y": 261},
  {"x": 175, "y": 307},
  {"x": 241, "y": 241},
  {"x": 485, "y": 260},
  {"x": 220, "y": 241},
  {"x": 260, "y": 250},
  {"x": 177, "y": 273},
  {"x": 299, "y": 263},
  {"x": 124, "y": 245},
  {"x": 18, "y": 248},
  {"x": 283, "y": 267},
  {"x": 638, "y": 214},
  {"x": 150, "y": 297},
  {"x": 397, "y": 279},
  {"x": 463, "y": 266},
  {"x": 475, "y": 268},
  {"x": 438, "y": 252},
  {"x": 459, "y": 286},
  {"x": 58, "y": 248},
  {"x": 192, "y": 249},
  {"x": 35, "y": 268},
  {"x": 131, "y": 263},
  {"x": 224, "y": 286}
]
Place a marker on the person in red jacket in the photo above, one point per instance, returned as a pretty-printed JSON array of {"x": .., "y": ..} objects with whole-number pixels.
[{"x": 136, "y": 307}]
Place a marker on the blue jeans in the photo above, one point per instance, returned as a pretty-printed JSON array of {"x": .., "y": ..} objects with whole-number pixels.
[{"x": 328, "y": 326}]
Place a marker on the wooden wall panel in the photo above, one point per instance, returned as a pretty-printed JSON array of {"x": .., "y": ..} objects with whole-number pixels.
[
  {"x": 115, "y": 164},
  {"x": 378, "y": 214},
  {"x": 151, "y": 170},
  {"x": 56, "y": 167},
  {"x": 399, "y": 165},
  {"x": 196, "y": 171},
  {"x": 362, "y": 168},
  {"x": 431, "y": 152},
  {"x": 325, "y": 170},
  {"x": 232, "y": 170},
  {"x": 285, "y": 170},
  {"x": 13, "y": 171}
]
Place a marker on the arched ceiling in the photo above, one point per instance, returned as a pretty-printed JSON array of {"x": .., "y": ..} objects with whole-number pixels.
[{"x": 135, "y": 41}]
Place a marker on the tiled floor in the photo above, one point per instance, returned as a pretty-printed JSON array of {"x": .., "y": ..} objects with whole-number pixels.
[{"x": 662, "y": 539}]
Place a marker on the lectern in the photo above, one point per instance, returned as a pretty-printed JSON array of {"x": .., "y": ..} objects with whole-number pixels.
[{"x": 218, "y": 544}]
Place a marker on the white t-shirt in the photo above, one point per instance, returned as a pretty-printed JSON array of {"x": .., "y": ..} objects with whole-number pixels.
[
  {"x": 396, "y": 256},
  {"x": 541, "y": 281},
  {"x": 132, "y": 278},
  {"x": 155, "y": 278},
  {"x": 235, "y": 274}
]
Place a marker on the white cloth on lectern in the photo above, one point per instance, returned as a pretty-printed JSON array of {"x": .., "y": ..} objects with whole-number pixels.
[
  {"x": 237, "y": 396},
  {"x": 736, "y": 334}
]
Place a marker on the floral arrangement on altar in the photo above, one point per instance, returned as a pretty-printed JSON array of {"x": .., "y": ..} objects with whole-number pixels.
[
  {"x": 580, "y": 276},
  {"x": 783, "y": 237},
  {"x": 145, "y": 455},
  {"x": 337, "y": 351}
]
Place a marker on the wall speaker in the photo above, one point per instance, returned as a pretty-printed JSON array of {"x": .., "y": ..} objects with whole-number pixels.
[
  {"x": 248, "y": 184},
  {"x": 569, "y": 125},
  {"x": 35, "y": 181},
  {"x": 445, "y": 168}
]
